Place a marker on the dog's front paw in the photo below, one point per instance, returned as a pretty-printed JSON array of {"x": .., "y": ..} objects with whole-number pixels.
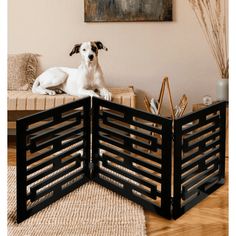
[
  {"x": 105, "y": 94},
  {"x": 93, "y": 94},
  {"x": 51, "y": 92}
]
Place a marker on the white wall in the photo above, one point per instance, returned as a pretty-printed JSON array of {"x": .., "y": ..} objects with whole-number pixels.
[{"x": 140, "y": 54}]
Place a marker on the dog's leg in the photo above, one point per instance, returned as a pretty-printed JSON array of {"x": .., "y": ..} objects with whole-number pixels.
[
  {"x": 105, "y": 94},
  {"x": 100, "y": 86},
  {"x": 85, "y": 92},
  {"x": 49, "y": 79}
]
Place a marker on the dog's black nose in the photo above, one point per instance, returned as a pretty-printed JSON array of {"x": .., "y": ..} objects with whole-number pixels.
[{"x": 90, "y": 57}]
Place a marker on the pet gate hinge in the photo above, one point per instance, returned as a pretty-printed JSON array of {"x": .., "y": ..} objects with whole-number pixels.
[
  {"x": 172, "y": 136},
  {"x": 171, "y": 201},
  {"x": 171, "y": 206},
  {"x": 91, "y": 168}
]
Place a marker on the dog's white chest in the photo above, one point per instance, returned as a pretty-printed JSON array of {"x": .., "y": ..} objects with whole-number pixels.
[{"x": 89, "y": 76}]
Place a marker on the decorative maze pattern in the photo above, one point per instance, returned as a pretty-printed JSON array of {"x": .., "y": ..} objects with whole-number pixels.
[
  {"x": 132, "y": 154},
  {"x": 165, "y": 165},
  {"x": 199, "y": 156},
  {"x": 52, "y": 155}
]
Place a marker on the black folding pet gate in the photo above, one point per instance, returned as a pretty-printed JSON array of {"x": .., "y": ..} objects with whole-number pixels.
[{"x": 165, "y": 165}]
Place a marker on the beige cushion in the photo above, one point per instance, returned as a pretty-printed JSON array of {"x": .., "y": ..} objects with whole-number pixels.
[
  {"x": 22, "y": 71},
  {"x": 26, "y": 100}
]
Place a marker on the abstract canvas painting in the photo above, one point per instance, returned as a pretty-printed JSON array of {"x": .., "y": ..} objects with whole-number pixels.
[{"x": 127, "y": 10}]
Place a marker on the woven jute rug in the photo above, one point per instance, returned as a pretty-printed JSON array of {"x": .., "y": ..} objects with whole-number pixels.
[{"x": 91, "y": 210}]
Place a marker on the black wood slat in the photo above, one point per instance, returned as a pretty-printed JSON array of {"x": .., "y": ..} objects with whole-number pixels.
[
  {"x": 200, "y": 169},
  {"x": 56, "y": 120},
  {"x": 132, "y": 159},
  {"x": 153, "y": 146},
  {"x": 55, "y": 188},
  {"x": 58, "y": 157},
  {"x": 54, "y": 131},
  {"x": 200, "y": 151},
  {"x": 33, "y": 147},
  {"x": 142, "y": 172},
  {"x": 50, "y": 179},
  {"x": 114, "y": 168},
  {"x": 208, "y": 181},
  {"x": 129, "y": 130},
  {"x": 54, "y": 111},
  {"x": 128, "y": 185},
  {"x": 200, "y": 133},
  {"x": 201, "y": 158},
  {"x": 198, "y": 181},
  {"x": 202, "y": 122},
  {"x": 199, "y": 143},
  {"x": 54, "y": 168},
  {"x": 110, "y": 115},
  {"x": 55, "y": 149}
]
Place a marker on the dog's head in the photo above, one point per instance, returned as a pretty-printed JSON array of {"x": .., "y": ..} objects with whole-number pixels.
[{"x": 88, "y": 50}]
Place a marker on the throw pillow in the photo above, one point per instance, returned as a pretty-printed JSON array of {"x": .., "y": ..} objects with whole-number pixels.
[{"x": 22, "y": 71}]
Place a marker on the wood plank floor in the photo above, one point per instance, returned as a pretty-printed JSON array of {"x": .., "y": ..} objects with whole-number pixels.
[{"x": 210, "y": 217}]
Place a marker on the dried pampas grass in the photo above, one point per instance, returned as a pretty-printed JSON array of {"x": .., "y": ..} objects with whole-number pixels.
[{"x": 212, "y": 16}]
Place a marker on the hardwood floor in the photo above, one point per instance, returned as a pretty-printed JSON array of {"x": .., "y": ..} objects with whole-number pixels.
[{"x": 210, "y": 217}]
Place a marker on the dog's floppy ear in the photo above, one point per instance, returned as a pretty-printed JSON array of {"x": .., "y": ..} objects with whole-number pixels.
[
  {"x": 100, "y": 45},
  {"x": 75, "y": 49}
]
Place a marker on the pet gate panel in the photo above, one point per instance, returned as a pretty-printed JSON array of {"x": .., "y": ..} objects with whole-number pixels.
[
  {"x": 199, "y": 156},
  {"x": 132, "y": 154},
  {"x": 53, "y": 151}
]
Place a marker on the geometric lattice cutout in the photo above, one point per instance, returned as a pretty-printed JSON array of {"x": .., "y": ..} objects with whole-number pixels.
[{"x": 131, "y": 155}]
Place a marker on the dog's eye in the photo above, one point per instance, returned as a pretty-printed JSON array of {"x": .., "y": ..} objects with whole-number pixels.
[
  {"x": 94, "y": 49},
  {"x": 84, "y": 49}
]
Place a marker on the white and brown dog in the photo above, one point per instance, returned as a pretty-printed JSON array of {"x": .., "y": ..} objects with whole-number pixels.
[{"x": 81, "y": 81}]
